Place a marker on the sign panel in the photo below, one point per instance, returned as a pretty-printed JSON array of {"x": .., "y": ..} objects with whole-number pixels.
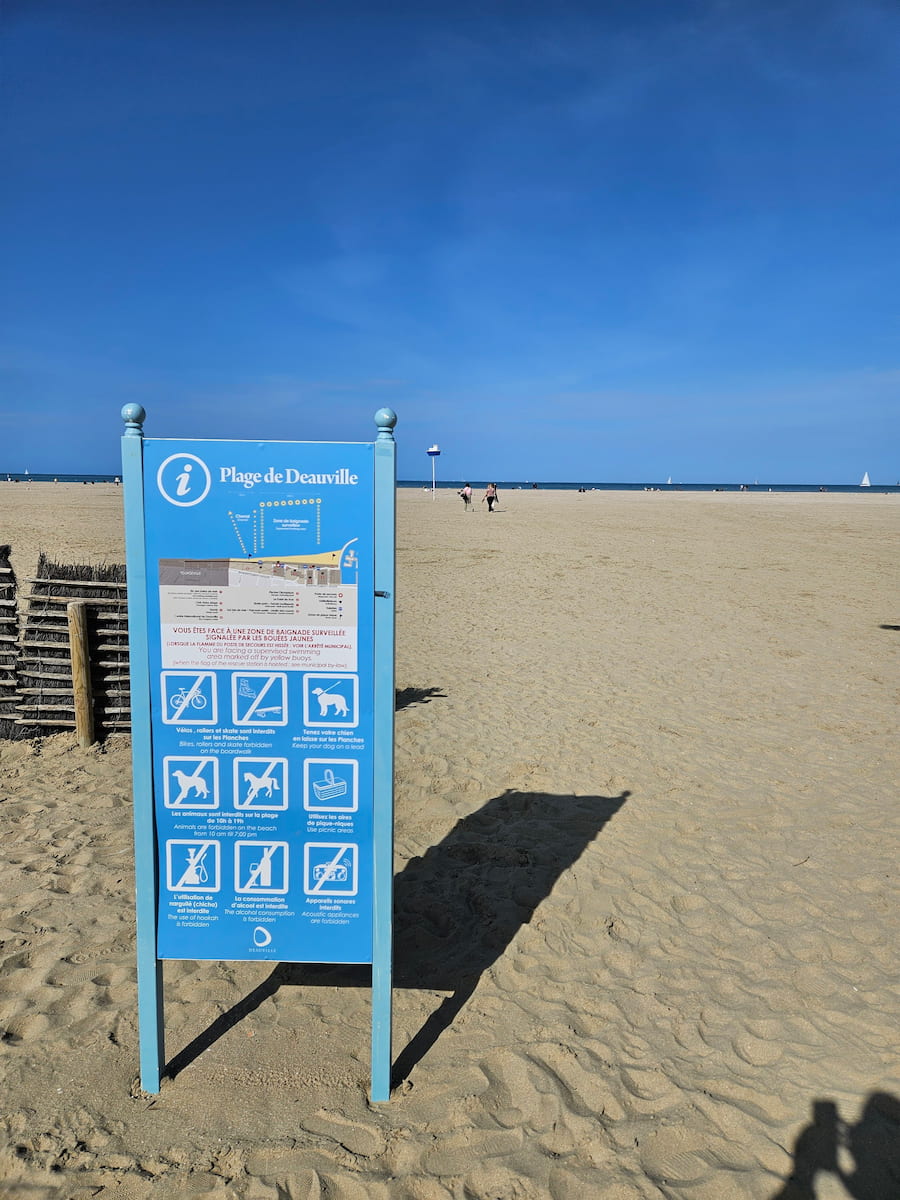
[{"x": 260, "y": 586}]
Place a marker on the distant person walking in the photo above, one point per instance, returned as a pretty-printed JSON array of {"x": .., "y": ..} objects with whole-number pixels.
[
  {"x": 490, "y": 494},
  {"x": 466, "y": 492}
]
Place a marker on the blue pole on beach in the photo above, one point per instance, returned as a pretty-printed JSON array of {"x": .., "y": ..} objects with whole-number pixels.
[
  {"x": 383, "y": 752},
  {"x": 149, "y": 967}
]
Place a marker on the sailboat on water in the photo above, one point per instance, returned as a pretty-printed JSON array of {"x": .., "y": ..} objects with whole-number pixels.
[{"x": 864, "y": 482}]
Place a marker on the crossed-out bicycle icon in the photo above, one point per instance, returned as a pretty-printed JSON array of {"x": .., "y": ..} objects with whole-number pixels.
[
  {"x": 179, "y": 699},
  {"x": 190, "y": 697}
]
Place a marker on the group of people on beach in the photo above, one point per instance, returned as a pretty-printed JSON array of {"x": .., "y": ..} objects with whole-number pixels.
[{"x": 491, "y": 495}]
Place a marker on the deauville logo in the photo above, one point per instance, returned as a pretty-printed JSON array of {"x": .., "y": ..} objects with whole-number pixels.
[
  {"x": 183, "y": 479},
  {"x": 261, "y": 936}
]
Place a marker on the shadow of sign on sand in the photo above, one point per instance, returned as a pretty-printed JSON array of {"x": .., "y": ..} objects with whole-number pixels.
[
  {"x": 404, "y": 697},
  {"x": 456, "y": 909}
]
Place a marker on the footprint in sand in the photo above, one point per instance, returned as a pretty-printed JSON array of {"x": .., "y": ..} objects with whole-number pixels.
[
  {"x": 758, "y": 1052},
  {"x": 26, "y": 1027}
]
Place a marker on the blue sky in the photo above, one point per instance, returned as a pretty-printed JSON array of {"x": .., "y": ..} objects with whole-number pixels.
[{"x": 598, "y": 241}]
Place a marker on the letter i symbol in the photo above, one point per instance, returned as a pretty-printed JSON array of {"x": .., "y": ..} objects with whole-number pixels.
[{"x": 184, "y": 480}]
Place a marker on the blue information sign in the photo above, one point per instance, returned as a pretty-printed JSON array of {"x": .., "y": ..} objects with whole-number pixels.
[{"x": 259, "y": 562}]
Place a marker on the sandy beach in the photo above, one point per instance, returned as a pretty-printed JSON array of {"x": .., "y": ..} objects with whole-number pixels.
[{"x": 647, "y": 911}]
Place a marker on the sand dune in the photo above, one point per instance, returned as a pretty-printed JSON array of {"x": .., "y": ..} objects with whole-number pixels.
[{"x": 646, "y": 889}]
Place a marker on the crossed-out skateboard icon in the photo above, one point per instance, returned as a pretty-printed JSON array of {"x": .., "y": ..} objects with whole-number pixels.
[{"x": 259, "y": 698}]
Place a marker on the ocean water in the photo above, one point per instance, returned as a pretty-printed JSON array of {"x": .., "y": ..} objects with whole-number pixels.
[
  {"x": 528, "y": 485},
  {"x": 20, "y": 477}
]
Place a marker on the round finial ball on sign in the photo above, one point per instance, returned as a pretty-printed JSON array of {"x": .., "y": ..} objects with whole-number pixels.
[
  {"x": 133, "y": 415},
  {"x": 385, "y": 419}
]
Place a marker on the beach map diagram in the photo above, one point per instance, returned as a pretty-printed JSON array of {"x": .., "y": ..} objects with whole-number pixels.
[{"x": 292, "y": 611}]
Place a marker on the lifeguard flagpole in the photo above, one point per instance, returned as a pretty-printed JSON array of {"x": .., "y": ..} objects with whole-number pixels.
[{"x": 433, "y": 453}]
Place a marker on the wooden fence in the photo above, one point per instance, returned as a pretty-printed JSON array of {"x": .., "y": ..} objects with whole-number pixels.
[
  {"x": 9, "y": 636},
  {"x": 66, "y": 608}
]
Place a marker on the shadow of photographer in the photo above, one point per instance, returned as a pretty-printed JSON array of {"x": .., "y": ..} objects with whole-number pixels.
[{"x": 873, "y": 1144}]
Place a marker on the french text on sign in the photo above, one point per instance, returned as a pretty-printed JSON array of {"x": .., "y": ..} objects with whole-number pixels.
[{"x": 189, "y": 698}]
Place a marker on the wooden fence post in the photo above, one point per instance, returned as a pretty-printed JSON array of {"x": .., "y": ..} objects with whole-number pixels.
[{"x": 81, "y": 672}]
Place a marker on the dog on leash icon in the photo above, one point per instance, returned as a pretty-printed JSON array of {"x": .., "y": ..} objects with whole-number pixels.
[{"x": 331, "y": 700}]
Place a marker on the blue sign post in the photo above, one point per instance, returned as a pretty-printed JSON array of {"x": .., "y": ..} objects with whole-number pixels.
[{"x": 261, "y": 585}]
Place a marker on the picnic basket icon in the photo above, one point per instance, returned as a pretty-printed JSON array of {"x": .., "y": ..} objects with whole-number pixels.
[{"x": 329, "y": 788}]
